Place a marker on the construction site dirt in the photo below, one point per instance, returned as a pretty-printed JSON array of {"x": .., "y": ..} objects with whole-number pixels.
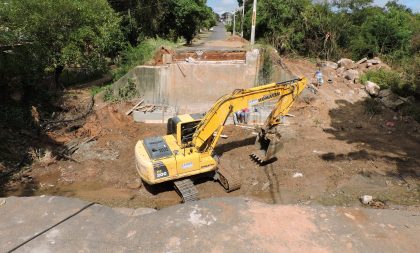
[{"x": 334, "y": 152}]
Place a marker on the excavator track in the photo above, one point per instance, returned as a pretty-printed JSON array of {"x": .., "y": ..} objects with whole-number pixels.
[
  {"x": 228, "y": 178},
  {"x": 186, "y": 189}
]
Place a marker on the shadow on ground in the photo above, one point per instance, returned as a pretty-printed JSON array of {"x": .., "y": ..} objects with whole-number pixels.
[
  {"x": 19, "y": 137},
  {"x": 226, "y": 147},
  {"x": 397, "y": 142}
]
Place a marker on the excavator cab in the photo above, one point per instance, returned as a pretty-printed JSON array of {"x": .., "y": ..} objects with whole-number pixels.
[{"x": 187, "y": 125}]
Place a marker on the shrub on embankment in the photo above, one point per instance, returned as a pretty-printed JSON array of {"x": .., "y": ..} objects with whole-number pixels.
[{"x": 141, "y": 54}]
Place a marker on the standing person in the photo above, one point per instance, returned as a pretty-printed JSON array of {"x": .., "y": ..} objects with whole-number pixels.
[
  {"x": 319, "y": 78},
  {"x": 245, "y": 115},
  {"x": 237, "y": 117}
]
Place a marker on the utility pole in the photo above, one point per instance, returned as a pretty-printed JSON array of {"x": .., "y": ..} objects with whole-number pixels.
[
  {"x": 243, "y": 18},
  {"x": 254, "y": 18},
  {"x": 234, "y": 23}
]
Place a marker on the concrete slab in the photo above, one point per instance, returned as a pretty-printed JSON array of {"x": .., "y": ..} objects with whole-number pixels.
[
  {"x": 22, "y": 218},
  {"x": 210, "y": 225}
]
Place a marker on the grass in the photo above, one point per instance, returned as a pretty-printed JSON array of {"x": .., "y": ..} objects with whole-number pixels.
[
  {"x": 126, "y": 92},
  {"x": 399, "y": 83},
  {"x": 384, "y": 78},
  {"x": 98, "y": 89}
]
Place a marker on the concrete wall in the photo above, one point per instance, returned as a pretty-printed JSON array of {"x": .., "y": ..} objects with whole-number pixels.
[
  {"x": 199, "y": 84},
  {"x": 149, "y": 81},
  {"x": 192, "y": 86}
]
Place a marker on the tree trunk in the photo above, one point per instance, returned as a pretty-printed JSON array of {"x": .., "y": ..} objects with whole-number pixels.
[{"x": 57, "y": 72}]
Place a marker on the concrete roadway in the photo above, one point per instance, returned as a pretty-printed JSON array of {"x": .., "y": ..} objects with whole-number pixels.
[
  {"x": 219, "y": 33},
  {"x": 57, "y": 224}
]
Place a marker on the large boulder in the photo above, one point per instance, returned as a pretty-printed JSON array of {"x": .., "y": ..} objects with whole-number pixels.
[
  {"x": 346, "y": 63},
  {"x": 392, "y": 102},
  {"x": 351, "y": 74},
  {"x": 330, "y": 64},
  {"x": 340, "y": 71},
  {"x": 361, "y": 61},
  {"x": 374, "y": 61},
  {"x": 390, "y": 99},
  {"x": 372, "y": 88},
  {"x": 385, "y": 93}
]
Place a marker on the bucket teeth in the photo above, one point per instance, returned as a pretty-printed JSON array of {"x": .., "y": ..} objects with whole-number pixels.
[{"x": 256, "y": 158}]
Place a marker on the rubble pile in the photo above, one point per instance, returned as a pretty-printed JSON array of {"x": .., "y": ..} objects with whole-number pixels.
[{"x": 352, "y": 71}]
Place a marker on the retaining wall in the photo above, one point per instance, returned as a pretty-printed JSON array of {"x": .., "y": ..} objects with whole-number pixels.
[{"x": 195, "y": 85}]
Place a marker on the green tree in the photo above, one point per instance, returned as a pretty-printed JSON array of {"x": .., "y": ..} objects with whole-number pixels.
[
  {"x": 280, "y": 23},
  {"x": 387, "y": 32},
  {"x": 325, "y": 31},
  {"x": 52, "y": 34},
  {"x": 168, "y": 19},
  {"x": 188, "y": 16},
  {"x": 352, "y": 5}
]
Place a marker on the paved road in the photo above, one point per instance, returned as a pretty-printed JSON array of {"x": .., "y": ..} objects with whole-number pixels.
[
  {"x": 219, "y": 33},
  {"x": 210, "y": 225},
  {"x": 214, "y": 41}
]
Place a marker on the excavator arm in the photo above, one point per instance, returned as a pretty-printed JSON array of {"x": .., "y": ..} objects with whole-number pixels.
[{"x": 208, "y": 131}]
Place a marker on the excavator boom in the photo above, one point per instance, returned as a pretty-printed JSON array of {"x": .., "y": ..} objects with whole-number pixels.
[{"x": 204, "y": 138}]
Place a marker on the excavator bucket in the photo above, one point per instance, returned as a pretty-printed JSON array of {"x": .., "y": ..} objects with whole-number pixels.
[{"x": 267, "y": 146}]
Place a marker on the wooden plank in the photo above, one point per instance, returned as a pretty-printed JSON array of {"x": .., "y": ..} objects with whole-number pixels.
[
  {"x": 151, "y": 109},
  {"x": 134, "y": 107}
]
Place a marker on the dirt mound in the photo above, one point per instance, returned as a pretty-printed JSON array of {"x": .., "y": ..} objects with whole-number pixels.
[
  {"x": 231, "y": 42},
  {"x": 236, "y": 38},
  {"x": 158, "y": 58}
]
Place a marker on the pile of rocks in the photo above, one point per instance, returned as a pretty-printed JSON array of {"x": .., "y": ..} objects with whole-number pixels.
[{"x": 351, "y": 71}]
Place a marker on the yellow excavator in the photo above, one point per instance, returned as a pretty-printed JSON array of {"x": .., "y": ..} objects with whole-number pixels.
[{"x": 188, "y": 148}]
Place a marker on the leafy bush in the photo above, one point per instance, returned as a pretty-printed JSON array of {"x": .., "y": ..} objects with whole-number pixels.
[
  {"x": 125, "y": 92},
  {"x": 384, "y": 78},
  {"x": 402, "y": 84},
  {"x": 98, "y": 89},
  {"x": 128, "y": 91},
  {"x": 44, "y": 37},
  {"x": 141, "y": 54},
  {"x": 266, "y": 70}
]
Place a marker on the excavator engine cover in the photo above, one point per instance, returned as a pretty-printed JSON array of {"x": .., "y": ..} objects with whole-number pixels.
[{"x": 267, "y": 144}]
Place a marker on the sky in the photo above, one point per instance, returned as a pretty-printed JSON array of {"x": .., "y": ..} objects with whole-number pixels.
[{"x": 221, "y": 6}]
